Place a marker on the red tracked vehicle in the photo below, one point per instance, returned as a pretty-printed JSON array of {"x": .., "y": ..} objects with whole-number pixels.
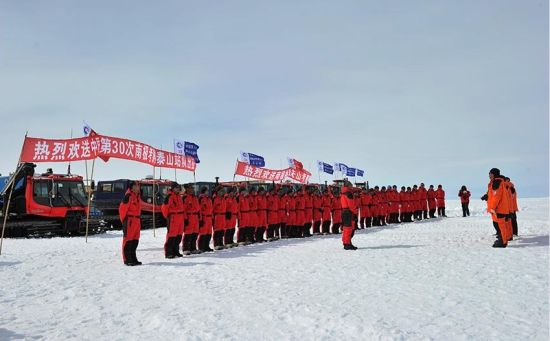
[{"x": 46, "y": 204}]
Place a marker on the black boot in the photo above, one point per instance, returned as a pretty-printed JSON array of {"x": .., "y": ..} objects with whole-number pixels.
[
  {"x": 176, "y": 246},
  {"x": 169, "y": 248},
  {"x": 349, "y": 247},
  {"x": 193, "y": 244},
  {"x": 127, "y": 251},
  {"x": 133, "y": 249},
  {"x": 207, "y": 239}
]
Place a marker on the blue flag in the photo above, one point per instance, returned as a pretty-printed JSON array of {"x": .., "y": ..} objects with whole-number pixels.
[
  {"x": 325, "y": 167},
  {"x": 350, "y": 171},
  {"x": 360, "y": 172},
  {"x": 253, "y": 159},
  {"x": 190, "y": 149},
  {"x": 341, "y": 167}
]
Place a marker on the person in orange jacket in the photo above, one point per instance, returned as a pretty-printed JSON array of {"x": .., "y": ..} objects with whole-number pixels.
[
  {"x": 308, "y": 211},
  {"x": 317, "y": 211},
  {"x": 292, "y": 227},
  {"x": 423, "y": 199},
  {"x": 464, "y": 195},
  {"x": 253, "y": 206},
  {"x": 336, "y": 212},
  {"x": 349, "y": 211},
  {"x": 432, "y": 204},
  {"x": 365, "y": 211},
  {"x": 498, "y": 205},
  {"x": 219, "y": 209},
  {"x": 173, "y": 210},
  {"x": 206, "y": 221},
  {"x": 191, "y": 226},
  {"x": 273, "y": 201},
  {"x": 261, "y": 202},
  {"x": 231, "y": 213},
  {"x": 282, "y": 232},
  {"x": 130, "y": 216},
  {"x": 514, "y": 206},
  {"x": 375, "y": 205},
  {"x": 440, "y": 201},
  {"x": 327, "y": 207},
  {"x": 245, "y": 227},
  {"x": 403, "y": 202}
]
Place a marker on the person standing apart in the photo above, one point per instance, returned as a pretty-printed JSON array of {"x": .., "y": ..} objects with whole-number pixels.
[
  {"x": 464, "y": 195},
  {"x": 130, "y": 216}
]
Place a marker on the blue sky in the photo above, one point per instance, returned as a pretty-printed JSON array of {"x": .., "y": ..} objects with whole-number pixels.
[{"x": 409, "y": 91}]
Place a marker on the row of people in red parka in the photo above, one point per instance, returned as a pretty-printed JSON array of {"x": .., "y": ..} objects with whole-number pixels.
[{"x": 281, "y": 212}]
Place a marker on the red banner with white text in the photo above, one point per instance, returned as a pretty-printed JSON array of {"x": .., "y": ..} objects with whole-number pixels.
[
  {"x": 249, "y": 171},
  {"x": 105, "y": 147}
]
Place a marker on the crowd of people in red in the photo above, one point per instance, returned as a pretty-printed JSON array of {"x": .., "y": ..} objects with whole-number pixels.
[{"x": 256, "y": 216}]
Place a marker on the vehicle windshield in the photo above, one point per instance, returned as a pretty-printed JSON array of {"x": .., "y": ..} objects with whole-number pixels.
[
  {"x": 70, "y": 193},
  {"x": 161, "y": 193}
]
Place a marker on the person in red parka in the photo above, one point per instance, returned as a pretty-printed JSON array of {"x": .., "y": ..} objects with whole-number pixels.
[
  {"x": 416, "y": 203},
  {"x": 283, "y": 214},
  {"x": 423, "y": 199},
  {"x": 219, "y": 208},
  {"x": 245, "y": 227},
  {"x": 173, "y": 211},
  {"x": 273, "y": 200},
  {"x": 191, "y": 227},
  {"x": 327, "y": 207},
  {"x": 464, "y": 195},
  {"x": 231, "y": 213},
  {"x": 366, "y": 216},
  {"x": 431, "y": 201},
  {"x": 292, "y": 228},
  {"x": 336, "y": 211},
  {"x": 308, "y": 211},
  {"x": 261, "y": 212},
  {"x": 206, "y": 222},
  {"x": 317, "y": 211},
  {"x": 440, "y": 198},
  {"x": 349, "y": 212},
  {"x": 403, "y": 205},
  {"x": 130, "y": 216},
  {"x": 253, "y": 204}
]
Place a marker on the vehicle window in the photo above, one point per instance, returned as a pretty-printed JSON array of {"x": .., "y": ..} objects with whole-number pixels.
[
  {"x": 119, "y": 187},
  {"x": 106, "y": 187},
  {"x": 41, "y": 189}
]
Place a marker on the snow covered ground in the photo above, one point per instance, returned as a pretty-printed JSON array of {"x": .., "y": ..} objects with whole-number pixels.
[{"x": 438, "y": 279}]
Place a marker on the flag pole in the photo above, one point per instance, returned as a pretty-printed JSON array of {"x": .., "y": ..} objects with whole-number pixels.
[
  {"x": 154, "y": 199},
  {"x": 7, "y": 212},
  {"x": 89, "y": 199},
  {"x": 175, "y": 169}
]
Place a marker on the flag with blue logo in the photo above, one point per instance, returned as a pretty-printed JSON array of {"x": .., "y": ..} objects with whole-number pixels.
[
  {"x": 186, "y": 148},
  {"x": 252, "y": 159},
  {"x": 360, "y": 172},
  {"x": 190, "y": 149},
  {"x": 341, "y": 167}
]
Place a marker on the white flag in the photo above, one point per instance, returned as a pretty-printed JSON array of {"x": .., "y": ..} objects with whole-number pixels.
[
  {"x": 179, "y": 147},
  {"x": 244, "y": 157}
]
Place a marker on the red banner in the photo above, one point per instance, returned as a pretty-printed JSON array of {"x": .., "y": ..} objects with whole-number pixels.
[
  {"x": 105, "y": 147},
  {"x": 244, "y": 169}
]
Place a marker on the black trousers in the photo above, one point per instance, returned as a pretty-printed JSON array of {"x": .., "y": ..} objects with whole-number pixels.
[
  {"x": 514, "y": 224},
  {"x": 465, "y": 210}
]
